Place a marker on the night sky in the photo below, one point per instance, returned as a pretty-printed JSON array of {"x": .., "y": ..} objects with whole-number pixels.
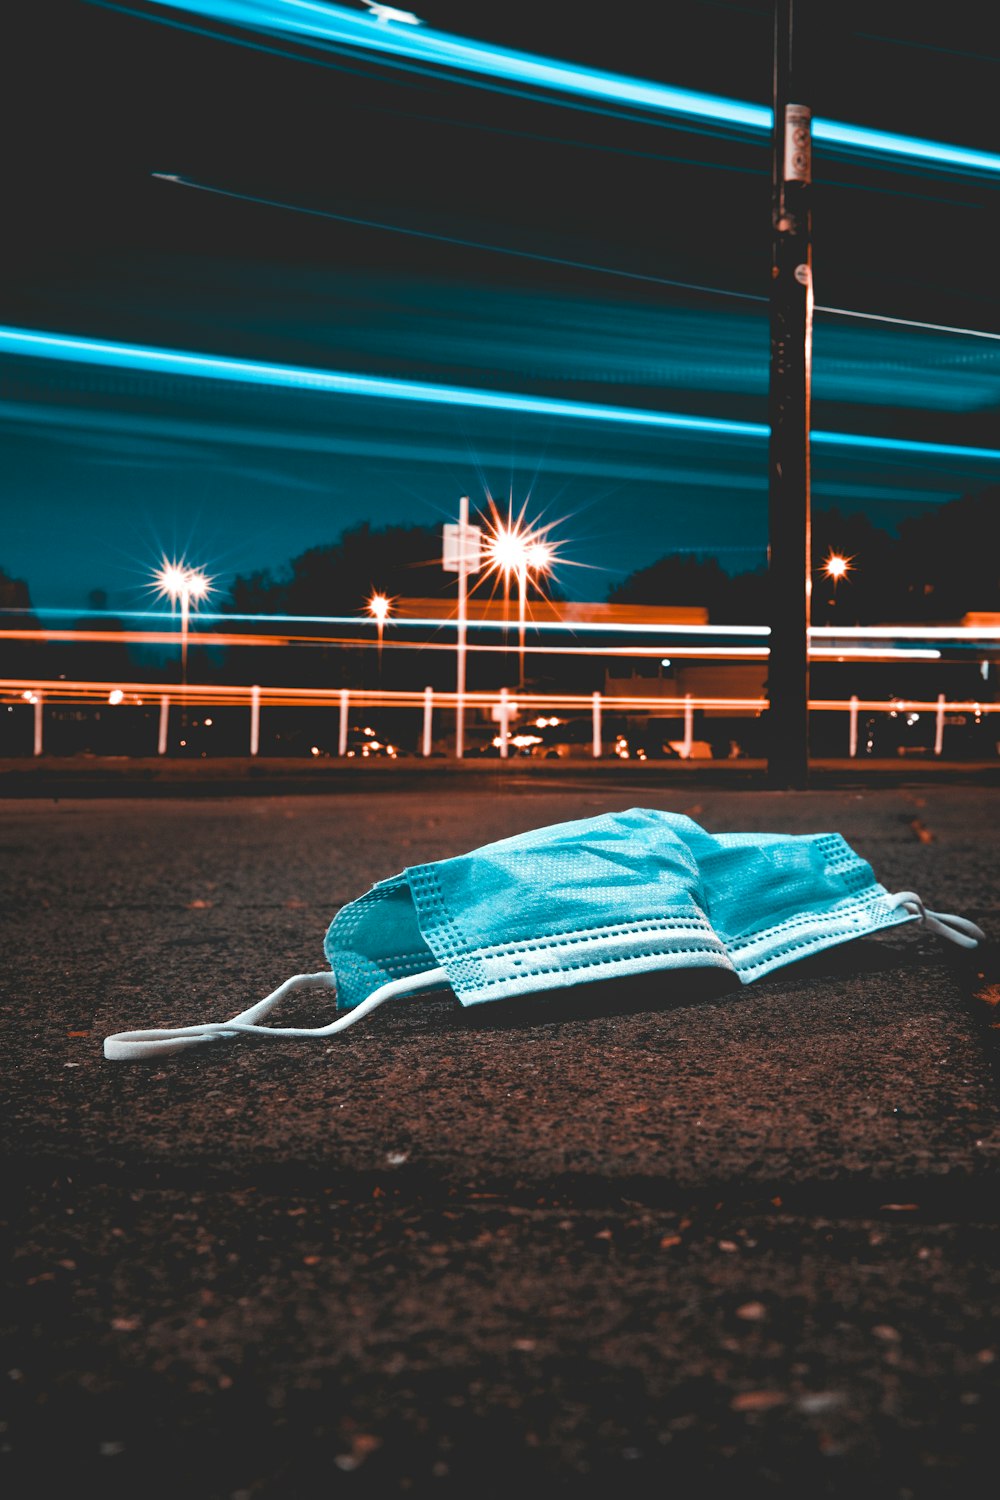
[{"x": 354, "y": 216}]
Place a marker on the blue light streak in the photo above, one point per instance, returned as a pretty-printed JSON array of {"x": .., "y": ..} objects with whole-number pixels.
[
  {"x": 339, "y": 29},
  {"x": 24, "y": 342},
  {"x": 911, "y": 147},
  {"x": 904, "y": 445},
  {"x": 21, "y": 342}
]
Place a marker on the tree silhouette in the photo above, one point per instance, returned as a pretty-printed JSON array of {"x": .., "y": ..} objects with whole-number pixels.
[
  {"x": 941, "y": 566},
  {"x": 340, "y": 577},
  {"x": 15, "y": 598},
  {"x": 20, "y": 658},
  {"x": 103, "y": 661},
  {"x": 683, "y": 579},
  {"x": 870, "y": 591},
  {"x": 678, "y": 579},
  {"x": 949, "y": 563}
]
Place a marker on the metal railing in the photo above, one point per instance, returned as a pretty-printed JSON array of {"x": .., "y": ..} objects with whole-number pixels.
[{"x": 501, "y": 707}]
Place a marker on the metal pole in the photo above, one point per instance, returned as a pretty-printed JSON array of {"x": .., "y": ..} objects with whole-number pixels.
[
  {"x": 185, "y": 608},
  {"x": 522, "y": 615},
  {"x": 463, "y": 563},
  {"x": 254, "y": 719},
  {"x": 939, "y": 725},
  {"x": 428, "y": 720},
  {"x": 597, "y": 741},
  {"x": 789, "y": 401},
  {"x": 38, "y": 746},
  {"x": 504, "y": 722},
  {"x": 161, "y": 740},
  {"x": 342, "y": 731},
  {"x": 688, "y": 727},
  {"x": 852, "y": 747}
]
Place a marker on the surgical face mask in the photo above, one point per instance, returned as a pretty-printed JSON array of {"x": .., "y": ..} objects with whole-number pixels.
[{"x": 622, "y": 894}]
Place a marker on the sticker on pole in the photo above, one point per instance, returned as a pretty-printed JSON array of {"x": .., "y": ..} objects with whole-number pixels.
[
  {"x": 798, "y": 143},
  {"x": 451, "y": 556}
]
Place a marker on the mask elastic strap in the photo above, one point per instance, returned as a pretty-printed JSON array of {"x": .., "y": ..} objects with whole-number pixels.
[
  {"x": 130, "y": 1046},
  {"x": 956, "y": 929}
]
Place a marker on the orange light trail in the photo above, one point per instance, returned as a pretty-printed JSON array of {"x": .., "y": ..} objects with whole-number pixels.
[{"x": 697, "y": 653}]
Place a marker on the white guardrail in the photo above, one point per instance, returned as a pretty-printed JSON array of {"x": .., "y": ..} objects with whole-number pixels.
[{"x": 502, "y": 707}]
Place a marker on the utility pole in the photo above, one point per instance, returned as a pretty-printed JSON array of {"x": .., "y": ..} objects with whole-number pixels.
[
  {"x": 463, "y": 574},
  {"x": 461, "y": 554},
  {"x": 789, "y": 576}
]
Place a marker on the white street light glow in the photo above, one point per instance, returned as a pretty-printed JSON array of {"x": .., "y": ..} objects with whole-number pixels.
[
  {"x": 506, "y": 550},
  {"x": 539, "y": 555},
  {"x": 512, "y": 551},
  {"x": 379, "y": 607},
  {"x": 837, "y": 567},
  {"x": 513, "y": 548},
  {"x": 178, "y": 581},
  {"x": 172, "y": 580}
]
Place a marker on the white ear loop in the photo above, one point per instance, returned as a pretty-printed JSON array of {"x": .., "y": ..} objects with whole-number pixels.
[
  {"x": 944, "y": 923},
  {"x": 129, "y": 1046}
]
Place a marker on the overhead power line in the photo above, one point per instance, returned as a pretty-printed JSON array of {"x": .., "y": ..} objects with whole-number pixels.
[{"x": 553, "y": 260}]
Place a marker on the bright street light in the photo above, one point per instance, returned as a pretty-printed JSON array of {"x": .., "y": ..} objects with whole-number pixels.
[
  {"x": 513, "y": 548},
  {"x": 540, "y": 556},
  {"x": 178, "y": 582},
  {"x": 507, "y": 549},
  {"x": 379, "y": 607},
  {"x": 837, "y": 567}
]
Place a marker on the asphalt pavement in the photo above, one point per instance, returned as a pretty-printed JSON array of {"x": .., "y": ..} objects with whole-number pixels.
[{"x": 636, "y": 1239}]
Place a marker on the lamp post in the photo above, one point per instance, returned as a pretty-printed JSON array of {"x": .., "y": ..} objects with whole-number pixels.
[
  {"x": 835, "y": 568},
  {"x": 538, "y": 557},
  {"x": 789, "y": 412},
  {"x": 180, "y": 583},
  {"x": 379, "y": 608},
  {"x": 512, "y": 549},
  {"x": 460, "y": 554}
]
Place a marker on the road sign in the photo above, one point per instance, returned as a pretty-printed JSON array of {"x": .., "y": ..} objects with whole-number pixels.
[{"x": 451, "y": 554}]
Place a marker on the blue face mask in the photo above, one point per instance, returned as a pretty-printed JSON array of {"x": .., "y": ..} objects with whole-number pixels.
[{"x": 602, "y": 898}]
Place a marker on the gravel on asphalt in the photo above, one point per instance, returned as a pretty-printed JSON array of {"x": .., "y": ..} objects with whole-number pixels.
[{"x": 640, "y": 1236}]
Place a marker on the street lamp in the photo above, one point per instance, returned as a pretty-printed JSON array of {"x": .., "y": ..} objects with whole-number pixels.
[
  {"x": 789, "y": 409},
  {"x": 512, "y": 548},
  {"x": 177, "y": 582},
  {"x": 461, "y": 549},
  {"x": 379, "y": 608},
  {"x": 836, "y": 567}
]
